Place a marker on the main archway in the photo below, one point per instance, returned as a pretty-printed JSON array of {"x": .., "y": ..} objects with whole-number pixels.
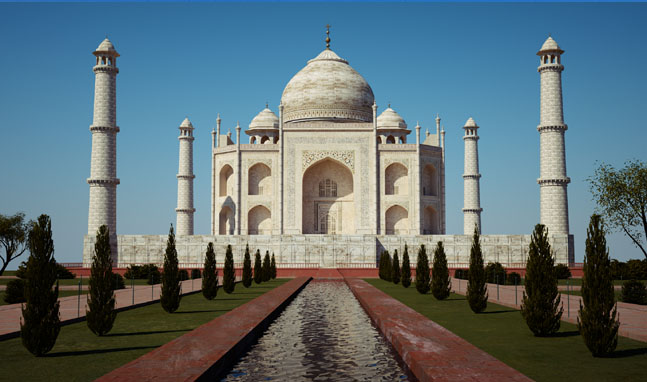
[{"x": 328, "y": 200}]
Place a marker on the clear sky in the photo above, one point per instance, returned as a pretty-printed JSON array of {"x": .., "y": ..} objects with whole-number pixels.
[{"x": 200, "y": 59}]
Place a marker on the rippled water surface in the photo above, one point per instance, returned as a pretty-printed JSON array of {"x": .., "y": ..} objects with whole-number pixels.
[{"x": 323, "y": 335}]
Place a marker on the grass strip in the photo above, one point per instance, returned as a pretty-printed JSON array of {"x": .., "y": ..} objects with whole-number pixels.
[
  {"x": 503, "y": 333},
  {"x": 79, "y": 355}
]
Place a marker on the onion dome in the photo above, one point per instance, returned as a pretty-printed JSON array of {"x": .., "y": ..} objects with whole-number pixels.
[
  {"x": 266, "y": 119},
  {"x": 550, "y": 45},
  {"x": 327, "y": 88},
  {"x": 186, "y": 124},
  {"x": 470, "y": 123},
  {"x": 107, "y": 47},
  {"x": 389, "y": 119}
]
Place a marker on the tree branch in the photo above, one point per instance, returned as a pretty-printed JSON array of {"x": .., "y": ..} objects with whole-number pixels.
[{"x": 635, "y": 241}]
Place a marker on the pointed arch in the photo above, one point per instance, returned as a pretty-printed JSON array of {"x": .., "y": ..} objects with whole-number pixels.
[
  {"x": 396, "y": 179},
  {"x": 259, "y": 180},
  {"x": 259, "y": 221},
  {"x": 397, "y": 220},
  {"x": 226, "y": 181}
]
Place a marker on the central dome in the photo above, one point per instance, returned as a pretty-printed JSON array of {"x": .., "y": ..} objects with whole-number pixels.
[{"x": 328, "y": 89}]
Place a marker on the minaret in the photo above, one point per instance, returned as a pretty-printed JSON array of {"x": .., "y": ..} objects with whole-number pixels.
[
  {"x": 103, "y": 167},
  {"x": 471, "y": 179},
  {"x": 552, "y": 177},
  {"x": 185, "y": 178}
]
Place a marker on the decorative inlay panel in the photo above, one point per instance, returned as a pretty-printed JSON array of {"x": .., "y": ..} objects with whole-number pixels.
[{"x": 346, "y": 157}]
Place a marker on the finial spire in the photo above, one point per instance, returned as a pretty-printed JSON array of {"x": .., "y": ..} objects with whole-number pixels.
[
  {"x": 266, "y": 105},
  {"x": 327, "y": 36}
]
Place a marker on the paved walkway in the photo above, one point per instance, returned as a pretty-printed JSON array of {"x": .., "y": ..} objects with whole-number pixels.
[
  {"x": 73, "y": 308},
  {"x": 633, "y": 318}
]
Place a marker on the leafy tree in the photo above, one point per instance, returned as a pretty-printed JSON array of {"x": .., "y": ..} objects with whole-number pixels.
[
  {"x": 210, "y": 274},
  {"x": 621, "y": 196},
  {"x": 195, "y": 274},
  {"x": 258, "y": 270},
  {"x": 440, "y": 281},
  {"x": 562, "y": 272},
  {"x": 422, "y": 271},
  {"x": 101, "y": 313},
  {"x": 633, "y": 292},
  {"x": 273, "y": 267},
  {"x": 476, "y": 288},
  {"x": 406, "y": 268},
  {"x": 247, "y": 269},
  {"x": 540, "y": 306},
  {"x": 495, "y": 273},
  {"x": 597, "y": 318},
  {"x": 171, "y": 287},
  {"x": 229, "y": 273},
  {"x": 40, "y": 322},
  {"x": 395, "y": 268},
  {"x": 15, "y": 292},
  {"x": 13, "y": 237},
  {"x": 266, "y": 271}
]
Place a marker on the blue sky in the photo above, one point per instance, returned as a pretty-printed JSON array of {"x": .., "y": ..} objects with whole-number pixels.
[{"x": 200, "y": 59}]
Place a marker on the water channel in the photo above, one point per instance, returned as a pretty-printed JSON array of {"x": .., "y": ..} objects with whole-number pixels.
[{"x": 323, "y": 335}]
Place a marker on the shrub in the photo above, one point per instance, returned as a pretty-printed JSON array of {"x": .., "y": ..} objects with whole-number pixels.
[
  {"x": 513, "y": 278},
  {"x": 540, "y": 306},
  {"x": 406, "y": 268},
  {"x": 148, "y": 272},
  {"x": 395, "y": 268},
  {"x": 462, "y": 274},
  {"x": 562, "y": 272},
  {"x": 495, "y": 273},
  {"x": 183, "y": 274},
  {"x": 118, "y": 281},
  {"x": 210, "y": 276},
  {"x": 273, "y": 267},
  {"x": 476, "y": 288},
  {"x": 258, "y": 269},
  {"x": 637, "y": 270},
  {"x": 171, "y": 288},
  {"x": 229, "y": 273},
  {"x": 266, "y": 274},
  {"x": 422, "y": 271},
  {"x": 100, "y": 314},
  {"x": 247, "y": 269},
  {"x": 15, "y": 292},
  {"x": 196, "y": 274},
  {"x": 597, "y": 318},
  {"x": 618, "y": 270},
  {"x": 40, "y": 322},
  {"x": 440, "y": 282},
  {"x": 21, "y": 273},
  {"x": 63, "y": 273},
  {"x": 633, "y": 292}
]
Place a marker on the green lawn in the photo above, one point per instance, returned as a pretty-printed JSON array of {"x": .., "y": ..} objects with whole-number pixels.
[
  {"x": 61, "y": 293},
  {"x": 502, "y": 332},
  {"x": 79, "y": 355}
]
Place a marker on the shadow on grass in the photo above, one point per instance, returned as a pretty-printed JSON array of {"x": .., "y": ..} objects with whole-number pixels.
[
  {"x": 145, "y": 333},
  {"x": 201, "y": 311},
  {"x": 97, "y": 351},
  {"x": 455, "y": 299},
  {"x": 627, "y": 353},
  {"x": 571, "y": 333},
  {"x": 499, "y": 311}
]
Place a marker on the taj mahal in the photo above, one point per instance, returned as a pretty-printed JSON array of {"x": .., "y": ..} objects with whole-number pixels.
[{"x": 327, "y": 178}]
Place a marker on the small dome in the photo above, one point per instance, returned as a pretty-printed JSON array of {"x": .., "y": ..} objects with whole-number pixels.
[
  {"x": 550, "y": 45},
  {"x": 327, "y": 88},
  {"x": 186, "y": 123},
  {"x": 389, "y": 119},
  {"x": 106, "y": 46},
  {"x": 266, "y": 119},
  {"x": 470, "y": 123}
]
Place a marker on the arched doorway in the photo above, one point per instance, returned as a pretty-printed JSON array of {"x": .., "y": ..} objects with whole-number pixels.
[
  {"x": 259, "y": 221},
  {"x": 227, "y": 221},
  {"x": 430, "y": 181},
  {"x": 431, "y": 221},
  {"x": 226, "y": 181},
  {"x": 259, "y": 180},
  {"x": 396, "y": 180},
  {"x": 328, "y": 202},
  {"x": 397, "y": 221}
]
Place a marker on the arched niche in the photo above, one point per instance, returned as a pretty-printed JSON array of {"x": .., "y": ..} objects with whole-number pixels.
[
  {"x": 259, "y": 180},
  {"x": 259, "y": 221},
  {"x": 397, "y": 220},
  {"x": 226, "y": 181},
  {"x": 227, "y": 221},
  {"x": 429, "y": 181},
  {"x": 396, "y": 179},
  {"x": 431, "y": 223}
]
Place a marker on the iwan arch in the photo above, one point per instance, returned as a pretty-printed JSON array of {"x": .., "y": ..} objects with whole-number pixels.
[{"x": 325, "y": 181}]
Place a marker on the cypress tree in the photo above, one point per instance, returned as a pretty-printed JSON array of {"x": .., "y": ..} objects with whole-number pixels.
[
  {"x": 171, "y": 288},
  {"x": 440, "y": 281},
  {"x": 258, "y": 270},
  {"x": 387, "y": 266},
  {"x": 266, "y": 271},
  {"x": 406, "y": 268},
  {"x": 247, "y": 269},
  {"x": 381, "y": 267},
  {"x": 40, "y": 322},
  {"x": 210, "y": 274},
  {"x": 422, "y": 271},
  {"x": 597, "y": 320},
  {"x": 540, "y": 304},
  {"x": 395, "y": 268},
  {"x": 229, "y": 273},
  {"x": 476, "y": 288},
  {"x": 273, "y": 267},
  {"x": 101, "y": 299}
]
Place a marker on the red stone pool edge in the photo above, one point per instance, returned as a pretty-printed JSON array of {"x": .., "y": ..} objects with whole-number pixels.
[
  {"x": 431, "y": 352},
  {"x": 211, "y": 348}
]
